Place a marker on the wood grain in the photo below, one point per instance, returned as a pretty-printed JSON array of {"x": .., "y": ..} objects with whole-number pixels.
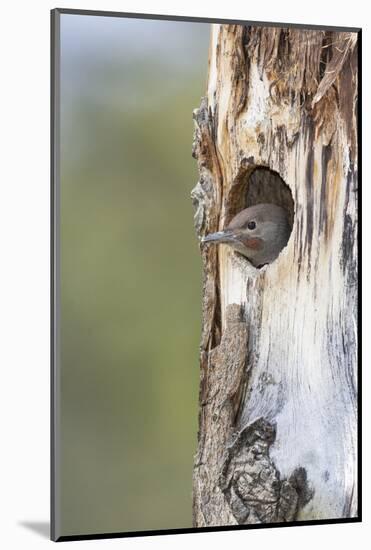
[{"x": 278, "y": 346}]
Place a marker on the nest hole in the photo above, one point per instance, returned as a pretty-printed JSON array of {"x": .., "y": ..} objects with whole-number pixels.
[{"x": 259, "y": 185}]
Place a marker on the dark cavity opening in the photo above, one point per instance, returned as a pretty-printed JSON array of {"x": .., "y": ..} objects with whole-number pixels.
[{"x": 257, "y": 185}]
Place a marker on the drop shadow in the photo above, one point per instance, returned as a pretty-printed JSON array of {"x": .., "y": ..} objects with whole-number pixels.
[{"x": 42, "y": 528}]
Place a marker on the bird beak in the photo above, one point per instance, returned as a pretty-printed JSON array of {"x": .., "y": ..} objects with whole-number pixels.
[{"x": 226, "y": 236}]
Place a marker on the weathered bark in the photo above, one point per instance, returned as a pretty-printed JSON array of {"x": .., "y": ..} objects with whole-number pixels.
[{"x": 278, "y": 408}]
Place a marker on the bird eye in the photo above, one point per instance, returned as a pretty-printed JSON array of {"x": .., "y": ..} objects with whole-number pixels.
[{"x": 251, "y": 225}]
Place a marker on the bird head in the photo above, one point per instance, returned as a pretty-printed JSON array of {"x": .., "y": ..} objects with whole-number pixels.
[{"x": 259, "y": 233}]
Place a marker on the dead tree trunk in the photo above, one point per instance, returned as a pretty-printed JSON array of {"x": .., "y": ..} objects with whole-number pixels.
[{"x": 278, "y": 408}]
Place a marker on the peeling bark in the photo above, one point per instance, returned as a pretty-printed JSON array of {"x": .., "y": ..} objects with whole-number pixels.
[
  {"x": 277, "y": 435},
  {"x": 251, "y": 482}
]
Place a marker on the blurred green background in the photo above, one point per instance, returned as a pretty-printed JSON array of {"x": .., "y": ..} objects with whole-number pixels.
[{"x": 130, "y": 272}]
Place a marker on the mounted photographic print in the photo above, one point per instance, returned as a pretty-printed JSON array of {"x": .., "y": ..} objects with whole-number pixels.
[{"x": 204, "y": 274}]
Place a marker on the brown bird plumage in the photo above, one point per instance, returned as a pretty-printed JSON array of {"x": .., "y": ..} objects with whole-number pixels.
[{"x": 258, "y": 232}]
